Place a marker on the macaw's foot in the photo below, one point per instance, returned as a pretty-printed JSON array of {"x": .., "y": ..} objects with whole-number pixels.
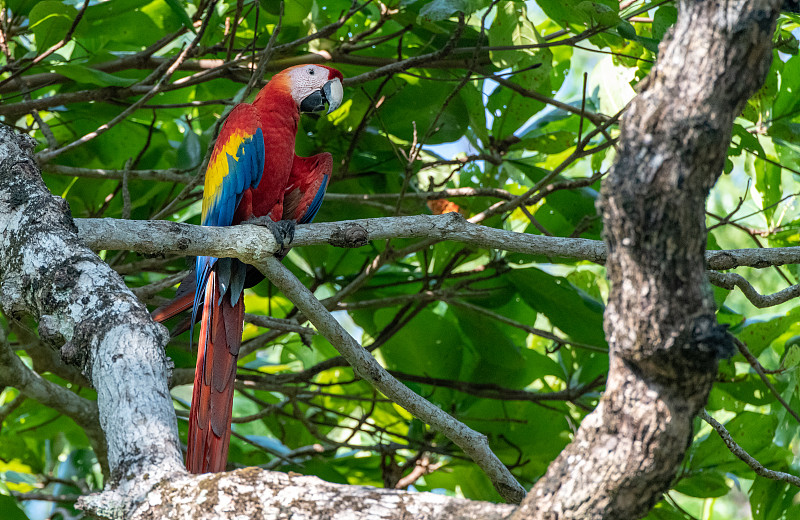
[{"x": 283, "y": 230}]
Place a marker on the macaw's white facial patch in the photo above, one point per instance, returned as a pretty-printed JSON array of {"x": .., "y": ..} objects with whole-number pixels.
[{"x": 307, "y": 80}]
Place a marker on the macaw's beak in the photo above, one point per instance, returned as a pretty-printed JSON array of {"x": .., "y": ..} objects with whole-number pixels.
[{"x": 330, "y": 93}]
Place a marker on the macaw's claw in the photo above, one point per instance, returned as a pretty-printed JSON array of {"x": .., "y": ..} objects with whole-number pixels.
[{"x": 283, "y": 230}]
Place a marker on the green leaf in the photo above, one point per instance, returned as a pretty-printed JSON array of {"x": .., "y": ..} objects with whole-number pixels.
[
  {"x": 473, "y": 101},
  {"x": 706, "y": 484},
  {"x": 511, "y": 27},
  {"x": 566, "y": 307},
  {"x": 501, "y": 359},
  {"x": 766, "y": 498},
  {"x": 190, "y": 151},
  {"x": 10, "y": 509},
  {"x": 758, "y": 335},
  {"x": 83, "y": 74},
  {"x": 430, "y": 345},
  {"x": 767, "y": 173},
  {"x": 439, "y": 10},
  {"x": 21, "y": 7},
  {"x": 664, "y": 511},
  {"x": 600, "y": 14},
  {"x": 178, "y": 9},
  {"x": 50, "y": 20},
  {"x": 792, "y": 355},
  {"x": 451, "y": 122},
  {"x": 664, "y": 18},
  {"x": 564, "y": 12},
  {"x": 752, "y": 431},
  {"x": 533, "y": 67},
  {"x": 132, "y": 28}
]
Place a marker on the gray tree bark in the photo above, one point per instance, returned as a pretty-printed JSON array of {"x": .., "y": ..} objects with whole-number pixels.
[
  {"x": 85, "y": 309},
  {"x": 660, "y": 322}
]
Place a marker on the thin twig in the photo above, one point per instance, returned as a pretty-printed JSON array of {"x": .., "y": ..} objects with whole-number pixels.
[
  {"x": 67, "y": 37},
  {"x": 746, "y": 457},
  {"x": 46, "y": 156},
  {"x": 731, "y": 280},
  {"x": 760, "y": 371}
]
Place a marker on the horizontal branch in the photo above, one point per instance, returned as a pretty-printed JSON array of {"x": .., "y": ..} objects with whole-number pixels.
[
  {"x": 493, "y": 391},
  {"x": 250, "y": 243},
  {"x": 426, "y": 195},
  {"x": 169, "y": 175},
  {"x": 267, "y": 494}
]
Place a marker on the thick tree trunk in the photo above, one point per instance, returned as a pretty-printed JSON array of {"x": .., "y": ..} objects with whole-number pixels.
[
  {"x": 660, "y": 322},
  {"x": 84, "y": 308}
]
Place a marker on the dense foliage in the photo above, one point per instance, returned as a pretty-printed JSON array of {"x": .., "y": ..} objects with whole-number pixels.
[{"x": 508, "y": 116}]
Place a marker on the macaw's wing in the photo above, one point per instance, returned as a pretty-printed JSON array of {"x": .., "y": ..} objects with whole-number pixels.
[
  {"x": 306, "y": 187},
  {"x": 236, "y": 165}
]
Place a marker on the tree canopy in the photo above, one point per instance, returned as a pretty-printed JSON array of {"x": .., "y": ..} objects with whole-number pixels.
[{"x": 506, "y": 112}]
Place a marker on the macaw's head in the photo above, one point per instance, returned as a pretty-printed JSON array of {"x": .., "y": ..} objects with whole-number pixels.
[{"x": 312, "y": 86}]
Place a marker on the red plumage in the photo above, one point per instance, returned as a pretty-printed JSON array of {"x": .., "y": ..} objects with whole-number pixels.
[{"x": 253, "y": 172}]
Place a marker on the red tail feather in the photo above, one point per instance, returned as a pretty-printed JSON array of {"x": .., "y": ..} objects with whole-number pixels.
[
  {"x": 173, "y": 308},
  {"x": 212, "y": 399}
]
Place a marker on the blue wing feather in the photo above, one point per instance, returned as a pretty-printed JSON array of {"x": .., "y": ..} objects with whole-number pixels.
[
  {"x": 233, "y": 169},
  {"x": 313, "y": 208}
]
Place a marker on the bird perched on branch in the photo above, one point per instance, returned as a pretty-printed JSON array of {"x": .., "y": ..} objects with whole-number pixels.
[{"x": 254, "y": 177}]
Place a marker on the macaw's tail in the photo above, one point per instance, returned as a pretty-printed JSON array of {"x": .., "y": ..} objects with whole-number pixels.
[
  {"x": 212, "y": 400},
  {"x": 182, "y": 302},
  {"x": 184, "y": 298}
]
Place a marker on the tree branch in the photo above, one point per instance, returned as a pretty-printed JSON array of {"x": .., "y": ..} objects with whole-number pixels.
[
  {"x": 84, "y": 308},
  {"x": 249, "y": 242},
  {"x": 732, "y": 280},
  {"x": 170, "y": 175},
  {"x": 78, "y": 299},
  {"x": 271, "y": 495},
  {"x": 746, "y": 457},
  {"x": 660, "y": 321},
  {"x": 13, "y": 372},
  {"x": 365, "y": 366}
]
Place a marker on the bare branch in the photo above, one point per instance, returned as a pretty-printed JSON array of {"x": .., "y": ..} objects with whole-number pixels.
[
  {"x": 249, "y": 243},
  {"x": 48, "y": 155},
  {"x": 597, "y": 119},
  {"x": 170, "y": 175},
  {"x": 472, "y": 443},
  {"x": 746, "y": 457},
  {"x": 492, "y": 391},
  {"x": 67, "y": 37},
  {"x": 731, "y": 280},
  {"x": 13, "y": 372},
  {"x": 760, "y": 371}
]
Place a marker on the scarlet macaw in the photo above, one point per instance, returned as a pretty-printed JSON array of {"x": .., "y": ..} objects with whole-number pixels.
[{"x": 253, "y": 176}]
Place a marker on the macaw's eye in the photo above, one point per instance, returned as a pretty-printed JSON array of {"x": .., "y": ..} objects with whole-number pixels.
[{"x": 311, "y": 71}]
